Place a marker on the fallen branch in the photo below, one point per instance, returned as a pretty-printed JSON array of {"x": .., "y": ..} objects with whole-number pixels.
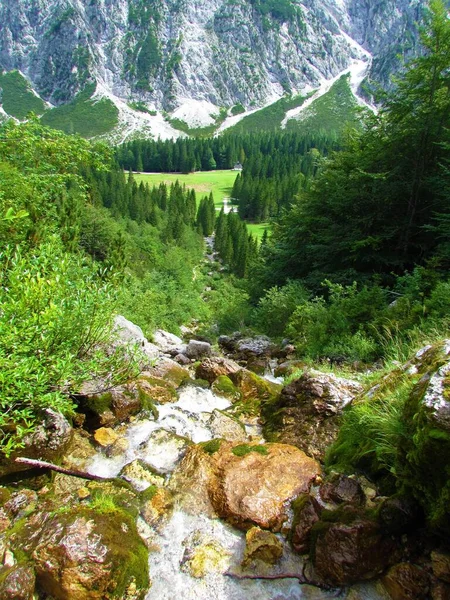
[
  {"x": 40, "y": 464},
  {"x": 300, "y": 578}
]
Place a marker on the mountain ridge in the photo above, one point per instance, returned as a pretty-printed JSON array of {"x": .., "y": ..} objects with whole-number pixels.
[{"x": 194, "y": 63}]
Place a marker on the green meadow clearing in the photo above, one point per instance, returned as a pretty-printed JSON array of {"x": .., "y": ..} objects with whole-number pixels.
[{"x": 220, "y": 183}]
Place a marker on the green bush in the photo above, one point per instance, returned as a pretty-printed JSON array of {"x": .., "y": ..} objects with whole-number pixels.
[
  {"x": 55, "y": 318},
  {"x": 277, "y": 306},
  {"x": 340, "y": 327}
]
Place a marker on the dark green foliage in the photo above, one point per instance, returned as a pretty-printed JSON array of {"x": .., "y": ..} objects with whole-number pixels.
[
  {"x": 55, "y": 304},
  {"x": 236, "y": 248},
  {"x": 375, "y": 206},
  {"x": 206, "y": 216}
]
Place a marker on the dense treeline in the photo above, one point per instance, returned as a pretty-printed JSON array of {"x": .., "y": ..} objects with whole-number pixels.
[
  {"x": 276, "y": 166},
  {"x": 270, "y": 182},
  {"x": 206, "y": 154}
]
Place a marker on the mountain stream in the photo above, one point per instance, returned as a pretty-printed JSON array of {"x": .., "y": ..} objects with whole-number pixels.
[{"x": 159, "y": 443}]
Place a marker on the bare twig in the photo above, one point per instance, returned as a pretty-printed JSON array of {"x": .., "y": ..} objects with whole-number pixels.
[
  {"x": 300, "y": 578},
  {"x": 40, "y": 464}
]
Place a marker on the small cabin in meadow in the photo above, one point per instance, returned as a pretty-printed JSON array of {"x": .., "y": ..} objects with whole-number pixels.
[{"x": 237, "y": 167}]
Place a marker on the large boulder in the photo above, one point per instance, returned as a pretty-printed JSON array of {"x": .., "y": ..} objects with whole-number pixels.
[
  {"x": 166, "y": 341},
  {"x": 48, "y": 442},
  {"x": 85, "y": 554},
  {"x": 170, "y": 371},
  {"x": 345, "y": 553},
  {"x": 253, "y": 484},
  {"x": 424, "y": 457},
  {"x": 197, "y": 349},
  {"x": 104, "y": 407},
  {"x": 339, "y": 488},
  {"x": 131, "y": 335},
  {"x": 244, "y": 348},
  {"x": 308, "y": 412},
  {"x": 212, "y": 368},
  {"x": 255, "y": 388}
]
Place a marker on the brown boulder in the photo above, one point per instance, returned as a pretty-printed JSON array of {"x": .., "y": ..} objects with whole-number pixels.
[
  {"x": 407, "y": 582},
  {"x": 252, "y": 484},
  {"x": 105, "y": 408},
  {"x": 211, "y": 368},
  {"x": 347, "y": 553},
  {"x": 17, "y": 583},
  {"x": 83, "y": 554},
  {"x": 190, "y": 481},
  {"x": 308, "y": 412},
  {"x": 254, "y": 387},
  {"x": 340, "y": 488},
  {"x": 157, "y": 389},
  {"x": 170, "y": 371},
  {"x": 306, "y": 514},
  {"x": 440, "y": 562}
]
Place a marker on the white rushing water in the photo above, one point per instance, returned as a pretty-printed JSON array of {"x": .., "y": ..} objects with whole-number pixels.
[{"x": 157, "y": 442}]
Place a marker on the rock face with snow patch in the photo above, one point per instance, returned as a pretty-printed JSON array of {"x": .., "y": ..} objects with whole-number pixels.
[{"x": 193, "y": 58}]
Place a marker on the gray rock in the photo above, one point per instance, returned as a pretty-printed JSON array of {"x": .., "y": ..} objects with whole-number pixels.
[
  {"x": 223, "y": 426},
  {"x": 182, "y": 359},
  {"x": 166, "y": 341},
  {"x": 196, "y": 349}
]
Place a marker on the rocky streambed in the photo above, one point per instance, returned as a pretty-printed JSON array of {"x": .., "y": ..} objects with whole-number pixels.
[{"x": 209, "y": 484}]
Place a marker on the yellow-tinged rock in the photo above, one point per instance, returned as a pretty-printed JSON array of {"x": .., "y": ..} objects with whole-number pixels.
[
  {"x": 158, "y": 508},
  {"x": 252, "y": 483},
  {"x": 83, "y": 493},
  {"x": 261, "y": 545},
  {"x": 105, "y": 436},
  {"x": 203, "y": 555}
]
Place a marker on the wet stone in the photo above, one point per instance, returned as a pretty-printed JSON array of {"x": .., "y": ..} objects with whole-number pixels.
[
  {"x": 141, "y": 475},
  {"x": 263, "y": 546},
  {"x": 340, "y": 488},
  {"x": 406, "y": 581}
]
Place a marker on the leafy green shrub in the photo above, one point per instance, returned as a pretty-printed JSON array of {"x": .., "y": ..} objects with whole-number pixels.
[
  {"x": 277, "y": 306},
  {"x": 340, "y": 327},
  {"x": 55, "y": 316}
]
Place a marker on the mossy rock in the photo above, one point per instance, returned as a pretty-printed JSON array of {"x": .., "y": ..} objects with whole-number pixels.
[
  {"x": 212, "y": 446},
  {"x": 156, "y": 389},
  {"x": 244, "y": 449},
  {"x": 223, "y": 386},
  {"x": 85, "y": 552}
]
